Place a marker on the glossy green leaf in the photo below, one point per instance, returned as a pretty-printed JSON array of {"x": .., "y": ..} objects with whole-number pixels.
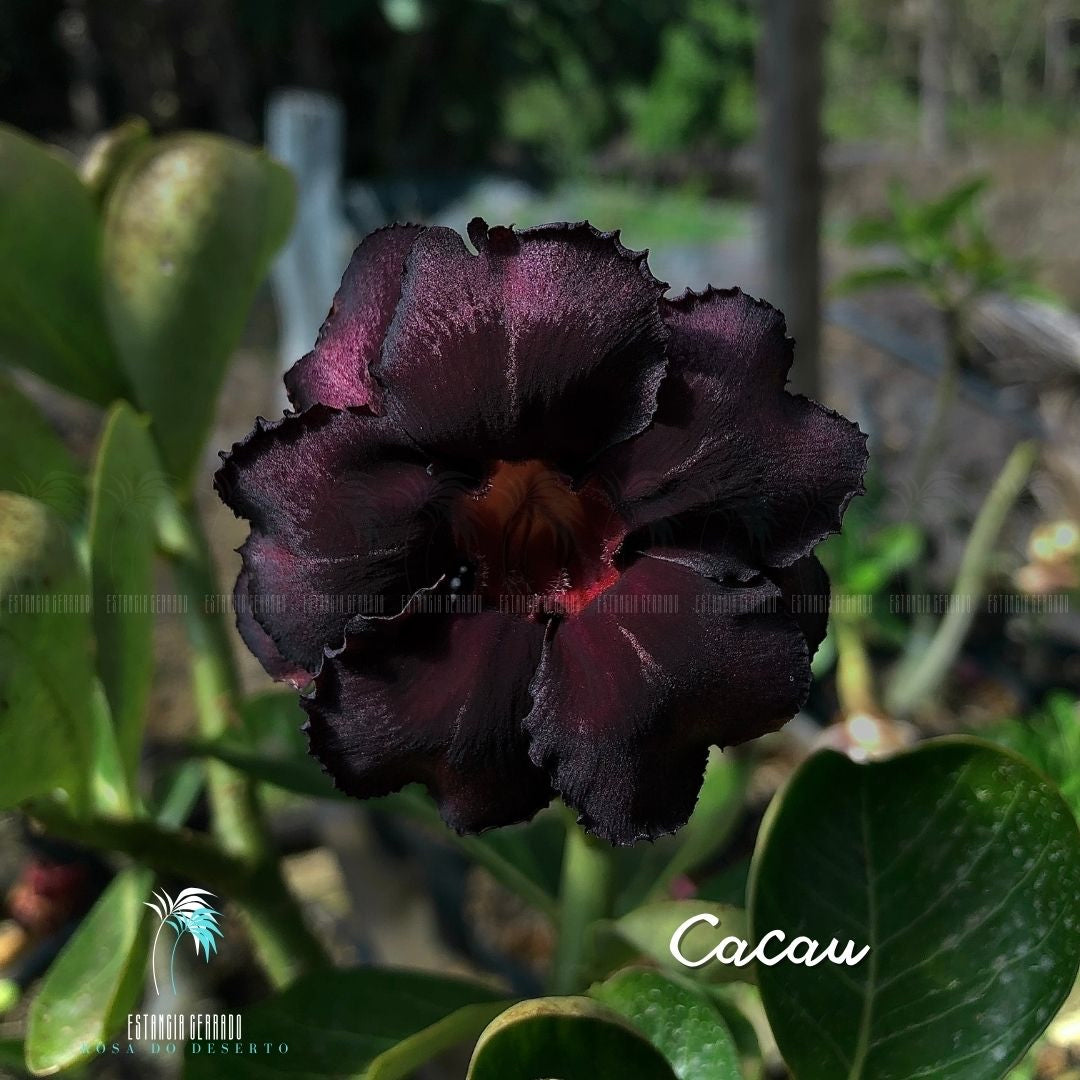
[
  {"x": 571, "y": 1038},
  {"x": 681, "y": 1022},
  {"x": 46, "y": 679},
  {"x": 369, "y": 1023},
  {"x": 33, "y": 460},
  {"x": 126, "y": 486},
  {"x": 191, "y": 224},
  {"x": 95, "y": 981},
  {"x": 52, "y": 318},
  {"x": 649, "y": 930},
  {"x": 960, "y": 867}
]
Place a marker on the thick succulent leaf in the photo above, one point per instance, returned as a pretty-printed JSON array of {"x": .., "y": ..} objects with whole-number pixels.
[
  {"x": 52, "y": 317},
  {"x": 126, "y": 487},
  {"x": 33, "y": 460},
  {"x": 95, "y": 981},
  {"x": 572, "y": 1038},
  {"x": 959, "y": 866},
  {"x": 46, "y": 681},
  {"x": 191, "y": 223},
  {"x": 680, "y": 1021},
  {"x": 110, "y": 151},
  {"x": 367, "y": 1023}
]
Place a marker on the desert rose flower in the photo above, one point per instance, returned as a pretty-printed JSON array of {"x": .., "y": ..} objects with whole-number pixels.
[{"x": 536, "y": 529}]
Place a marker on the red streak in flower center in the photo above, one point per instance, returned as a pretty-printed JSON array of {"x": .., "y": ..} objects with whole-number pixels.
[{"x": 529, "y": 534}]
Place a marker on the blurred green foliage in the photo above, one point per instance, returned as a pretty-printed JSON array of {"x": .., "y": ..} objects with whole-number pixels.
[
  {"x": 452, "y": 87},
  {"x": 942, "y": 247}
]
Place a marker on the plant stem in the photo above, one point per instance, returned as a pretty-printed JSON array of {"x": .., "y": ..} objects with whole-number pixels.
[
  {"x": 854, "y": 673},
  {"x": 944, "y": 396},
  {"x": 584, "y": 898},
  {"x": 282, "y": 942},
  {"x": 917, "y": 676}
]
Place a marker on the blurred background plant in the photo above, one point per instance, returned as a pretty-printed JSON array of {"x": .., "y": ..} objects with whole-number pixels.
[{"x": 900, "y": 176}]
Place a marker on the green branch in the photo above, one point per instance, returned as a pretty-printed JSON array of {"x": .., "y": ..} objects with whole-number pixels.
[
  {"x": 585, "y": 898},
  {"x": 282, "y": 941},
  {"x": 919, "y": 675}
]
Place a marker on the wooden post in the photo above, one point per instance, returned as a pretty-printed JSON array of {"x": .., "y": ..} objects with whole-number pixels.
[
  {"x": 305, "y": 131},
  {"x": 934, "y": 78},
  {"x": 792, "y": 182}
]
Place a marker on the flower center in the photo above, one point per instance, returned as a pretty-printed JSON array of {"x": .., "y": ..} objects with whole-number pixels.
[{"x": 528, "y": 534}]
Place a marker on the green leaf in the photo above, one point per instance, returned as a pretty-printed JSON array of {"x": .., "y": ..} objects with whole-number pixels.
[
  {"x": 12, "y": 1058},
  {"x": 126, "y": 486},
  {"x": 936, "y": 218},
  {"x": 95, "y": 981},
  {"x": 959, "y": 866},
  {"x": 681, "y": 1022},
  {"x": 191, "y": 224},
  {"x": 571, "y": 1038},
  {"x": 104, "y": 161},
  {"x": 274, "y": 749},
  {"x": 872, "y": 277},
  {"x": 649, "y": 930},
  {"x": 890, "y": 550},
  {"x": 273, "y": 721},
  {"x": 715, "y": 815},
  {"x": 33, "y": 460},
  {"x": 369, "y": 1023},
  {"x": 46, "y": 680},
  {"x": 299, "y": 775},
  {"x": 646, "y": 872},
  {"x": 52, "y": 318},
  {"x": 868, "y": 232}
]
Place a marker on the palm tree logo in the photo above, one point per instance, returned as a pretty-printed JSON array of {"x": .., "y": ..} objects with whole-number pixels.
[{"x": 187, "y": 914}]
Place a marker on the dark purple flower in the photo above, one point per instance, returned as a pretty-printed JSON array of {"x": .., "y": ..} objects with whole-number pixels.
[{"x": 536, "y": 529}]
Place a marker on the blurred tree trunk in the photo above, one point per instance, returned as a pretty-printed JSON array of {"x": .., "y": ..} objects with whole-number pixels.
[
  {"x": 792, "y": 84},
  {"x": 1058, "y": 74},
  {"x": 934, "y": 78}
]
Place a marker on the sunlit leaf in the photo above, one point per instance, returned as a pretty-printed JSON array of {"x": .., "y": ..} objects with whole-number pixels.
[
  {"x": 191, "y": 223},
  {"x": 649, "y": 930}
]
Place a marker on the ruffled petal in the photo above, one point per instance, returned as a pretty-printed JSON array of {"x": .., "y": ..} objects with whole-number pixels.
[
  {"x": 259, "y": 641},
  {"x": 731, "y": 456},
  {"x": 548, "y": 344},
  {"x": 336, "y": 371},
  {"x": 632, "y": 692},
  {"x": 347, "y": 520},
  {"x": 437, "y": 701},
  {"x": 804, "y": 587}
]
